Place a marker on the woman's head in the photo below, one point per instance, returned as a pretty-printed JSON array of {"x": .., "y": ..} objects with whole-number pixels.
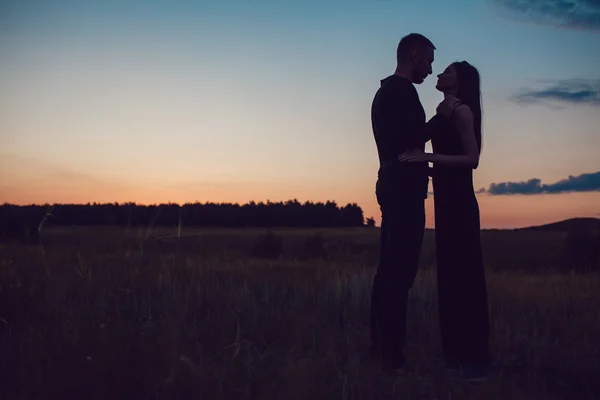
[{"x": 461, "y": 79}]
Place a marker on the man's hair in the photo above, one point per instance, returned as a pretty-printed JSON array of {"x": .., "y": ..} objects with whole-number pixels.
[{"x": 412, "y": 41}]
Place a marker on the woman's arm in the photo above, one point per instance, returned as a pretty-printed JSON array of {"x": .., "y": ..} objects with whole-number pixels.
[
  {"x": 445, "y": 108},
  {"x": 464, "y": 125}
]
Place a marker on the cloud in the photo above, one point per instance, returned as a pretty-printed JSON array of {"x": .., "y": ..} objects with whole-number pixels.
[
  {"x": 570, "y": 14},
  {"x": 571, "y": 91},
  {"x": 581, "y": 183},
  {"x": 478, "y": 191}
]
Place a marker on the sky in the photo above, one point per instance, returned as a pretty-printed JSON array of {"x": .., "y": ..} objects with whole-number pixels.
[{"x": 239, "y": 100}]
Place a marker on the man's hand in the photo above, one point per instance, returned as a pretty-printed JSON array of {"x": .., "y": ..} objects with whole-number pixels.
[
  {"x": 414, "y": 155},
  {"x": 447, "y": 106}
]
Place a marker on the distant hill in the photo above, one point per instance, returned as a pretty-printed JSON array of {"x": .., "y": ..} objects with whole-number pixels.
[{"x": 583, "y": 224}]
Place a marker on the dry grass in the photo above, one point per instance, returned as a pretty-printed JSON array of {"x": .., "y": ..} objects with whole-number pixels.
[{"x": 100, "y": 314}]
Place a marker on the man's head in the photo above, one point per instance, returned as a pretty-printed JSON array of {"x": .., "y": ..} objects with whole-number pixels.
[{"x": 415, "y": 56}]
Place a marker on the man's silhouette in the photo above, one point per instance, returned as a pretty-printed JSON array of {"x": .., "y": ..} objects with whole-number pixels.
[{"x": 398, "y": 121}]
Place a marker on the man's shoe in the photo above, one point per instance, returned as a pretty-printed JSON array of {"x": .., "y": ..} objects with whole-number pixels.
[
  {"x": 373, "y": 354},
  {"x": 475, "y": 372},
  {"x": 393, "y": 364},
  {"x": 452, "y": 367}
]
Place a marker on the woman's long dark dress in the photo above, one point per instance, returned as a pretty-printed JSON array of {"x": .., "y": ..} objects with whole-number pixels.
[{"x": 462, "y": 294}]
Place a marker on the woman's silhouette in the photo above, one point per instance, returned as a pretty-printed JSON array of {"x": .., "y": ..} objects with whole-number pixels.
[{"x": 456, "y": 141}]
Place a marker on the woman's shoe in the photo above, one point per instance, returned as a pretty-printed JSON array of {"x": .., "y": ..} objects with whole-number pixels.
[{"x": 475, "y": 372}]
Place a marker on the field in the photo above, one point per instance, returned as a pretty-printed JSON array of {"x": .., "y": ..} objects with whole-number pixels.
[{"x": 160, "y": 314}]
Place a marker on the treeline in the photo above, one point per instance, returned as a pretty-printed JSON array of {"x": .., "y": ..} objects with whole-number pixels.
[{"x": 291, "y": 213}]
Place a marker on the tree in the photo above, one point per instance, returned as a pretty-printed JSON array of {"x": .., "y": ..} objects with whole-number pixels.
[{"x": 282, "y": 214}]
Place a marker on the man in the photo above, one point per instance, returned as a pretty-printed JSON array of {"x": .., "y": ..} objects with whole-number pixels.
[{"x": 398, "y": 121}]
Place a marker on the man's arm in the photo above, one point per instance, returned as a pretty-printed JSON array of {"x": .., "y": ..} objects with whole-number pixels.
[
  {"x": 400, "y": 108},
  {"x": 428, "y": 131},
  {"x": 394, "y": 122}
]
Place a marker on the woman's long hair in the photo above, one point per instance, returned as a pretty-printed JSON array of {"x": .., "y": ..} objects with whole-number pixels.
[{"x": 469, "y": 93}]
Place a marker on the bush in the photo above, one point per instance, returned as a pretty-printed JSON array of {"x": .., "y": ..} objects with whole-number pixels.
[
  {"x": 268, "y": 246},
  {"x": 20, "y": 230},
  {"x": 581, "y": 251},
  {"x": 314, "y": 247}
]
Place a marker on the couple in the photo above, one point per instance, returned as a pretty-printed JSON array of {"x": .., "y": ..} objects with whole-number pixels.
[{"x": 401, "y": 131}]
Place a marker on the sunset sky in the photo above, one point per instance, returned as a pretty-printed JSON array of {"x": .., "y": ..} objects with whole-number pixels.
[{"x": 232, "y": 101}]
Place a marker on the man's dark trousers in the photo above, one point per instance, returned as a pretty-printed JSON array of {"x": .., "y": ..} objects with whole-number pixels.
[{"x": 402, "y": 230}]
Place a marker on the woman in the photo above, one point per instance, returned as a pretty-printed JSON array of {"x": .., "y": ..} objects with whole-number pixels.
[{"x": 456, "y": 141}]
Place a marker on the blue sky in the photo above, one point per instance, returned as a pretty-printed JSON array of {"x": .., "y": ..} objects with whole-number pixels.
[{"x": 153, "y": 101}]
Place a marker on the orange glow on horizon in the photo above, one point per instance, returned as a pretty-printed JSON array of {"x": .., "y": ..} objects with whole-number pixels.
[
  {"x": 26, "y": 181},
  {"x": 496, "y": 211}
]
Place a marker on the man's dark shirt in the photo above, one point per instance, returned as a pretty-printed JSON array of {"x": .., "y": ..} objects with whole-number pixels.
[{"x": 398, "y": 121}]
